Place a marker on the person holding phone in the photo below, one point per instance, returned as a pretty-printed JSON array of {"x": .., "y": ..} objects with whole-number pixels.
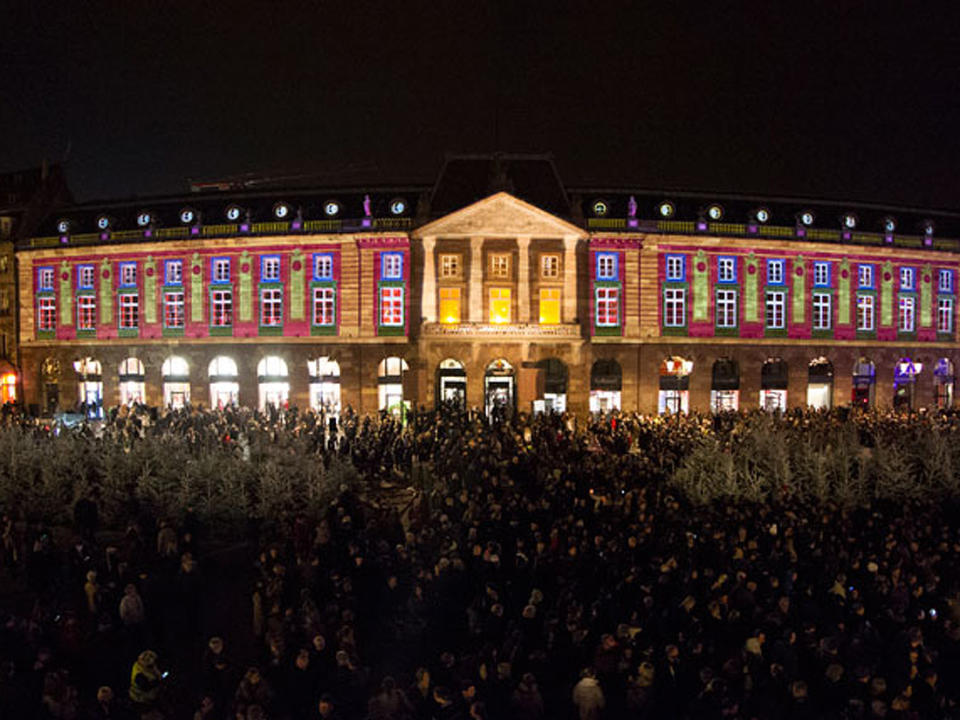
[{"x": 145, "y": 678}]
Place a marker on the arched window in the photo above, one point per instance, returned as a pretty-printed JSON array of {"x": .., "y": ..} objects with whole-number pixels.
[
  {"x": 175, "y": 373},
  {"x": 499, "y": 388},
  {"x": 725, "y": 386},
  {"x": 131, "y": 381},
  {"x": 606, "y": 382},
  {"x": 674, "y": 385},
  {"x": 943, "y": 380},
  {"x": 774, "y": 379},
  {"x": 820, "y": 384},
  {"x": 551, "y": 386},
  {"x": 324, "y": 384},
  {"x": 272, "y": 377},
  {"x": 390, "y": 384},
  {"x": 224, "y": 388},
  {"x": 864, "y": 381},
  {"x": 905, "y": 374},
  {"x": 90, "y": 386},
  {"x": 451, "y": 384}
]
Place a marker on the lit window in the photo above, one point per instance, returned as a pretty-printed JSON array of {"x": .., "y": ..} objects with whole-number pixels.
[
  {"x": 128, "y": 274},
  {"x": 776, "y": 318},
  {"x": 821, "y": 274},
  {"x": 726, "y": 270},
  {"x": 271, "y": 307},
  {"x": 47, "y": 310},
  {"x": 608, "y": 307},
  {"x": 499, "y": 305},
  {"x": 173, "y": 272},
  {"x": 450, "y": 305},
  {"x": 85, "y": 276},
  {"x": 865, "y": 313},
  {"x": 549, "y": 306},
  {"x": 908, "y": 278},
  {"x": 173, "y": 316},
  {"x": 865, "y": 276},
  {"x": 676, "y": 268},
  {"x": 945, "y": 315},
  {"x": 220, "y": 271},
  {"x": 549, "y": 266},
  {"x": 907, "y": 315},
  {"x": 323, "y": 266},
  {"x": 45, "y": 278},
  {"x": 500, "y": 265},
  {"x": 391, "y": 266},
  {"x": 775, "y": 272},
  {"x": 270, "y": 269},
  {"x": 606, "y": 266},
  {"x": 822, "y": 311},
  {"x": 86, "y": 312},
  {"x": 391, "y": 306},
  {"x": 324, "y": 308},
  {"x": 945, "y": 281},
  {"x": 450, "y": 266},
  {"x": 221, "y": 308},
  {"x": 129, "y": 311},
  {"x": 726, "y": 308},
  {"x": 674, "y": 307}
]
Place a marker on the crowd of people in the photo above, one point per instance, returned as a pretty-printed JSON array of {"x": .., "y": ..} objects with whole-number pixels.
[{"x": 538, "y": 567}]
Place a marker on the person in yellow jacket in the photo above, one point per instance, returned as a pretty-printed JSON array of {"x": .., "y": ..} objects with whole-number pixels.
[{"x": 145, "y": 679}]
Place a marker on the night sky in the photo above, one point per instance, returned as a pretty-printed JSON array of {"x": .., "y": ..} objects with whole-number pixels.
[{"x": 833, "y": 99}]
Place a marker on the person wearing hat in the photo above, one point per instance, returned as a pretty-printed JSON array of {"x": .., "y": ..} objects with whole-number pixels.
[{"x": 145, "y": 679}]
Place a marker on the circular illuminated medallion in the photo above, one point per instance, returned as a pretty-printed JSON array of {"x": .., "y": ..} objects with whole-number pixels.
[
  {"x": 928, "y": 228},
  {"x": 715, "y": 212},
  {"x": 103, "y": 222},
  {"x": 667, "y": 209},
  {"x": 806, "y": 218},
  {"x": 63, "y": 227},
  {"x": 281, "y": 210},
  {"x": 187, "y": 216},
  {"x": 233, "y": 213},
  {"x": 144, "y": 219},
  {"x": 398, "y": 206},
  {"x": 762, "y": 215},
  {"x": 600, "y": 208},
  {"x": 331, "y": 208},
  {"x": 849, "y": 221},
  {"x": 889, "y": 224}
]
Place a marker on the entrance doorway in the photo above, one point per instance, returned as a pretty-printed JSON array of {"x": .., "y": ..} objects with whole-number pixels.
[
  {"x": 943, "y": 383},
  {"x": 272, "y": 379},
  {"x": 451, "y": 385},
  {"x": 674, "y": 395},
  {"x": 820, "y": 384},
  {"x": 499, "y": 388},
  {"x": 224, "y": 388},
  {"x": 905, "y": 383},
  {"x": 390, "y": 385},
  {"x": 131, "y": 381},
  {"x": 725, "y": 386},
  {"x": 606, "y": 382},
  {"x": 864, "y": 377},
  {"x": 176, "y": 382},
  {"x": 90, "y": 386},
  {"x": 773, "y": 385},
  {"x": 324, "y": 385},
  {"x": 551, "y": 386}
]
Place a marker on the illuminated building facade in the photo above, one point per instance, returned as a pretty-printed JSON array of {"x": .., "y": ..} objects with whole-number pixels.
[{"x": 495, "y": 287}]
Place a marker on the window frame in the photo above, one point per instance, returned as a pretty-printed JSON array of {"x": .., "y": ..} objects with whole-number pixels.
[
  {"x": 670, "y": 268},
  {"x": 943, "y": 302},
  {"x": 168, "y": 271},
  {"x": 274, "y": 262},
  {"x": 221, "y": 289},
  {"x": 391, "y": 266},
  {"x": 47, "y": 304},
  {"x": 727, "y": 260},
  {"x": 167, "y": 304},
  {"x": 87, "y": 301},
  {"x": 317, "y": 300},
  {"x": 730, "y": 297},
  {"x": 491, "y": 301},
  {"x": 128, "y": 301},
  {"x": 125, "y": 268},
  {"x": 451, "y": 265},
  {"x": 945, "y": 288},
  {"x": 81, "y": 270},
  {"x": 906, "y": 310},
  {"x": 440, "y": 301},
  {"x": 383, "y": 300},
  {"x": 678, "y": 297},
  {"x": 824, "y": 298},
  {"x": 558, "y": 300},
  {"x": 604, "y": 297},
  {"x": 275, "y": 300},
  {"x": 910, "y": 275},
  {"x": 215, "y": 278},
  {"x": 868, "y": 270},
  {"x": 494, "y": 257},
  {"x": 771, "y": 301},
  {"x": 47, "y": 271},
  {"x": 776, "y": 271},
  {"x": 322, "y": 258},
  {"x": 865, "y": 297},
  {"x": 614, "y": 273},
  {"x": 825, "y": 266},
  {"x": 546, "y": 259}
]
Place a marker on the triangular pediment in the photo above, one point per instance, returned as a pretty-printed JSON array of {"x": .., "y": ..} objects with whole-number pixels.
[{"x": 500, "y": 215}]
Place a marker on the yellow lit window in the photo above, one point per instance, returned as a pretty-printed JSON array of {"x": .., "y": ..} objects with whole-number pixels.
[
  {"x": 8, "y": 388},
  {"x": 450, "y": 305},
  {"x": 500, "y": 265},
  {"x": 549, "y": 306},
  {"x": 450, "y": 266},
  {"x": 550, "y": 266},
  {"x": 499, "y": 305}
]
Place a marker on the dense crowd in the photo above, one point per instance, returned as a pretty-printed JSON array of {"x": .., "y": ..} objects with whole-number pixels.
[{"x": 537, "y": 567}]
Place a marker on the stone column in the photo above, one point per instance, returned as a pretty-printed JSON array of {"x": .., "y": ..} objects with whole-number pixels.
[
  {"x": 523, "y": 279},
  {"x": 428, "y": 301},
  {"x": 569, "y": 279},
  {"x": 476, "y": 280}
]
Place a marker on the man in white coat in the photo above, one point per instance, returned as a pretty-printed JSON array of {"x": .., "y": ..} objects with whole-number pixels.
[{"x": 588, "y": 696}]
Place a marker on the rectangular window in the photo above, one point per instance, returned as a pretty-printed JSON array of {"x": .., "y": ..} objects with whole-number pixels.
[
  {"x": 221, "y": 308},
  {"x": 908, "y": 278},
  {"x": 450, "y": 306},
  {"x": 85, "y": 276},
  {"x": 391, "y": 266},
  {"x": 500, "y": 265},
  {"x": 391, "y": 306},
  {"x": 450, "y": 266},
  {"x": 271, "y": 307},
  {"x": 549, "y": 306},
  {"x": 173, "y": 310},
  {"x": 945, "y": 281},
  {"x": 324, "y": 308},
  {"x": 608, "y": 307},
  {"x": 323, "y": 266},
  {"x": 47, "y": 310},
  {"x": 45, "y": 278},
  {"x": 499, "y": 305},
  {"x": 776, "y": 315},
  {"x": 674, "y": 307},
  {"x": 865, "y": 313},
  {"x": 606, "y": 266},
  {"x": 726, "y": 308},
  {"x": 775, "y": 272},
  {"x": 128, "y": 274},
  {"x": 945, "y": 315},
  {"x": 907, "y": 314},
  {"x": 726, "y": 270},
  {"x": 676, "y": 268},
  {"x": 865, "y": 276},
  {"x": 549, "y": 266},
  {"x": 129, "y": 311},
  {"x": 270, "y": 269},
  {"x": 220, "y": 271},
  {"x": 173, "y": 272},
  {"x": 86, "y": 312},
  {"x": 821, "y": 274},
  {"x": 822, "y": 311}
]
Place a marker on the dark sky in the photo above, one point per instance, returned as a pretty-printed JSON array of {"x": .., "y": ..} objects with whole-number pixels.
[{"x": 836, "y": 99}]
